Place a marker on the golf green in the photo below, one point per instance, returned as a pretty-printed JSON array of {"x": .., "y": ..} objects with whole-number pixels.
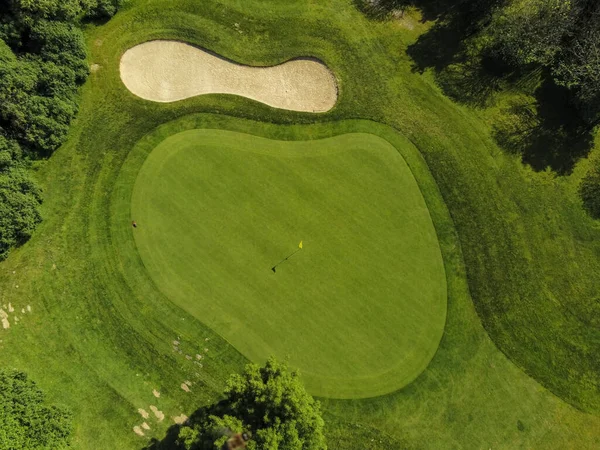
[{"x": 360, "y": 309}]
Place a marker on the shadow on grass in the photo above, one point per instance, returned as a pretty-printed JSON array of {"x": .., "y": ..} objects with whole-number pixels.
[
  {"x": 201, "y": 415},
  {"x": 547, "y": 134},
  {"x": 340, "y": 435}
]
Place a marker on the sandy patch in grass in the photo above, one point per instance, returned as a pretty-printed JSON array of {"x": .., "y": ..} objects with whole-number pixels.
[
  {"x": 179, "y": 420},
  {"x": 137, "y": 430},
  {"x": 4, "y": 319},
  {"x": 143, "y": 413},
  {"x": 168, "y": 71},
  {"x": 155, "y": 393},
  {"x": 159, "y": 414}
]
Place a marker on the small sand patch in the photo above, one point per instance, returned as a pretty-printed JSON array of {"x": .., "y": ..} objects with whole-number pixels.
[
  {"x": 155, "y": 393},
  {"x": 145, "y": 426},
  {"x": 10, "y": 308},
  {"x": 95, "y": 68},
  {"x": 159, "y": 414},
  {"x": 4, "y": 319},
  {"x": 185, "y": 387},
  {"x": 168, "y": 71},
  {"x": 137, "y": 430},
  {"x": 143, "y": 413},
  {"x": 181, "y": 419}
]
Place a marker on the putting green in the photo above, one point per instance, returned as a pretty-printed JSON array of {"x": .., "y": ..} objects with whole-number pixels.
[{"x": 360, "y": 310}]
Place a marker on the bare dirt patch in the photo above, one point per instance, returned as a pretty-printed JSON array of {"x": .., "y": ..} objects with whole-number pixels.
[
  {"x": 4, "y": 319},
  {"x": 137, "y": 430},
  {"x": 181, "y": 419},
  {"x": 168, "y": 71},
  {"x": 143, "y": 413},
  {"x": 159, "y": 414}
]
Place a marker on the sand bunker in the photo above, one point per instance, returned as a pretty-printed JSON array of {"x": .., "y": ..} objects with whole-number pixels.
[{"x": 168, "y": 71}]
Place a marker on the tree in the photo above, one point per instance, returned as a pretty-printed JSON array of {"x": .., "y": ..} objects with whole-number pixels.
[
  {"x": 270, "y": 404},
  {"x": 26, "y": 422},
  {"x": 101, "y": 8},
  {"x": 578, "y": 67},
  {"x": 531, "y": 31}
]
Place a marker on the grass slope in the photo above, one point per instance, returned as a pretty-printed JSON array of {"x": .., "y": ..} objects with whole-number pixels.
[
  {"x": 360, "y": 310},
  {"x": 99, "y": 336}
]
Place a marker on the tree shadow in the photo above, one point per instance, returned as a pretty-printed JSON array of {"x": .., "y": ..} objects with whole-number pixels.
[
  {"x": 170, "y": 440},
  {"x": 437, "y": 48},
  {"x": 473, "y": 82},
  {"x": 549, "y": 133}
]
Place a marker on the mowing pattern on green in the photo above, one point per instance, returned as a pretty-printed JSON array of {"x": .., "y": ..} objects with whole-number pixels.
[{"x": 360, "y": 310}]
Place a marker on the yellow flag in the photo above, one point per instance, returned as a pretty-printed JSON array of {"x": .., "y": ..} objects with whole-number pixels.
[{"x": 300, "y": 244}]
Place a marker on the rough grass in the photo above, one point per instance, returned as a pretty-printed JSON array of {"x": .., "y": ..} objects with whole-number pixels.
[
  {"x": 360, "y": 310},
  {"x": 100, "y": 334}
]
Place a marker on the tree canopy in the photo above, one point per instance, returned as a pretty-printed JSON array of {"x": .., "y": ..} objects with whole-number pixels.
[
  {"x": 267, "y": 403},
  {"x": 26, "y": 421},
  {"x": 42, "y": 63}
]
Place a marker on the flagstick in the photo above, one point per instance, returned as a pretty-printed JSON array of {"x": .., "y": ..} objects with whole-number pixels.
[{"x": 284, "y": 259}]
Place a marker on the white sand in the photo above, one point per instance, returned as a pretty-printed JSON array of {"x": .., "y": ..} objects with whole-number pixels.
[{"x": 168, "y": 71}]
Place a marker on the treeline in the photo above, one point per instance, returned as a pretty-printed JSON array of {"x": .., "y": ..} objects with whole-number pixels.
[
  {"x": 42, "y": 63},
  {"x": 479, "y": 47}
]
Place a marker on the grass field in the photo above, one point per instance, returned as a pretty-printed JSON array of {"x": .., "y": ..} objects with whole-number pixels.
[
  {"x": 520, "y": 255},
  {"x": 360, "y": 310}
]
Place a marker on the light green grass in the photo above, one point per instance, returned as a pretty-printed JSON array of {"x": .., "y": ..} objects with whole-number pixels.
[
  {"x": 360, "y": 310},
  {"x": 100, "y": 332}
]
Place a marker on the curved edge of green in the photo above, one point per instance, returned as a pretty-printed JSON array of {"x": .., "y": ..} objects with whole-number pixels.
[{"x": 120, "y": 207}]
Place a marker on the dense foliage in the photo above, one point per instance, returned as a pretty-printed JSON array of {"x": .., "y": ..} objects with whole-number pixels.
[
  {"x": 269, "y": 404},
  {"x": 42, "y": 62},
  {"x": 19, "y": 198},
  {"x": 562, "y": 36},
  {"x": 26, "y": 422}
]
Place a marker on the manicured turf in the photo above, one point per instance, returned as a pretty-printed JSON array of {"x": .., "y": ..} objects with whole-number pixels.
[
  {"x": 360, "y": 310},
  {"x": 100, "y": 334}
]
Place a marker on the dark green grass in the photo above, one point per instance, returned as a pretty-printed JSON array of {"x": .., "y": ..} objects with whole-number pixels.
[
  {"x": 360, "y": 310},
  {"x": 99, "y": 337}
]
